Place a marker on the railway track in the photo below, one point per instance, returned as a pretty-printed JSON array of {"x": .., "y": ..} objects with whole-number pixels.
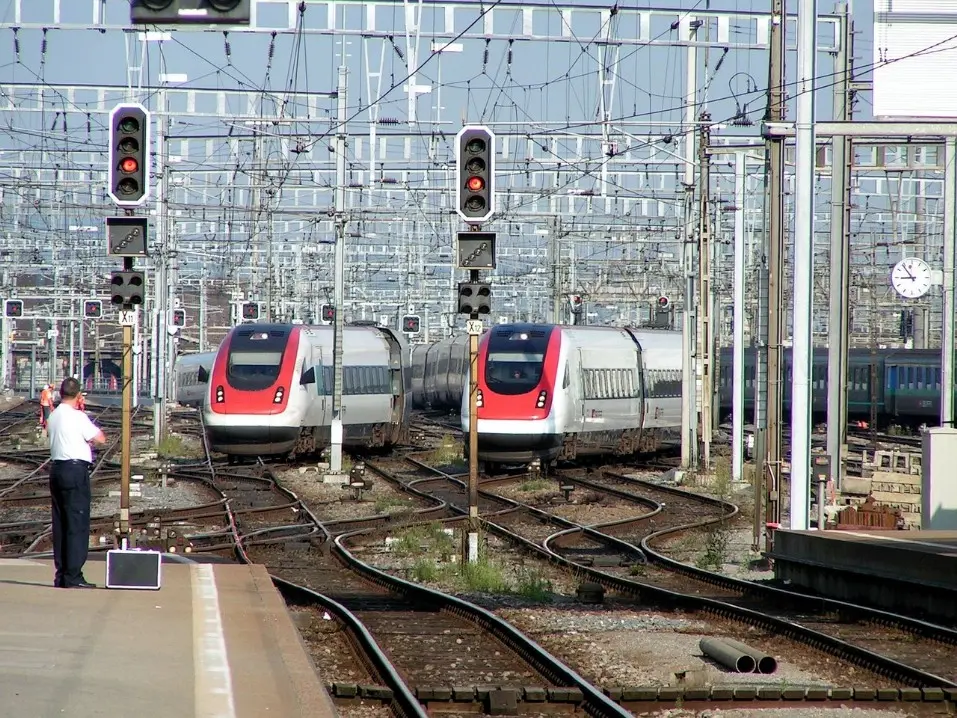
[
  {"x": 431, "y": 639},
  {"x": 874, "y": 640},
  {"x": 899, "y": 647}
]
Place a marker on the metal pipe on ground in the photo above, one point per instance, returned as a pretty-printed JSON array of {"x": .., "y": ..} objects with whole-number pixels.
[
  {"x": 727, "y": 655},
  {"x": 762, "y": 661}
]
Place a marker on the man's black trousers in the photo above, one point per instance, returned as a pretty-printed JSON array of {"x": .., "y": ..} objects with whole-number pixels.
[{"x": 70, "y": 492}]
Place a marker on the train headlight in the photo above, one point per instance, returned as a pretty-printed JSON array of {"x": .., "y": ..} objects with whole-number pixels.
[
  {"x": 479, "y": 399},
  {"x": 277, "y": 399},
  {"x": 542, "y": 396},
  {"x": 220, "y": 395}
]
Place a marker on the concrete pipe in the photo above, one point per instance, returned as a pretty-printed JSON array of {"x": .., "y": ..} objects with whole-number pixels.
[
  {"x": 762, "y": 661},
  {"x": 726, "y": 655}
]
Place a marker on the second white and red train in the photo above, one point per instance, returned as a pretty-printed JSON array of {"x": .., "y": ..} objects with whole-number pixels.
[{"x": 550, "y": 392}]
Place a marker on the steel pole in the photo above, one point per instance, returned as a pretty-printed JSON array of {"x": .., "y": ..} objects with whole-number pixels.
[
  {"x": 950, "y": 242},
  {"x": 770, "y": 457},
  {"x": 837, "y": 340},
  {"x": 704, "y": 289},
  {"x": 802, "y": 342},
  {"x": 737, "y": 409},
  {"x": 335, "y": 456},
  {"x": 689, "y": 432},
  {"x": 80, "y": 373},
  {"x": 473, "y": 541},
  {"x": 126, "y": 435}
]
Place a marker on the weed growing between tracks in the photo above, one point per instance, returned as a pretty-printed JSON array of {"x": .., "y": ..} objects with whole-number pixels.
[
  {"x": 437, "y": 560},
  {"x": 174, "y": 446},
  {"x": 448, "y": 455}
]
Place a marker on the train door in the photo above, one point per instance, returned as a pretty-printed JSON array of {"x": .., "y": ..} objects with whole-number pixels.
[
  {"x": 891, "y": 390},
  {"x": 323, "y": 388}
]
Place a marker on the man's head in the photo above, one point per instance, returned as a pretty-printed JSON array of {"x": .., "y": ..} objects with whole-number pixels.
[{"x": 70, "y": 388}]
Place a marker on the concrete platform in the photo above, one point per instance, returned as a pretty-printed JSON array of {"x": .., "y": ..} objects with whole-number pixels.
[
  {"x": 916, "y": 570},
  {"x": 213, "y": 641}
]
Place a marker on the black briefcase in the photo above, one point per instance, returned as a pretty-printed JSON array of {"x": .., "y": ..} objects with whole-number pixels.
[{"x": 133, "y": 569}]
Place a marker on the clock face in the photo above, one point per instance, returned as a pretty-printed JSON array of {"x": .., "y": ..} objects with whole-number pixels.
[{"x": 911, "y": 278}]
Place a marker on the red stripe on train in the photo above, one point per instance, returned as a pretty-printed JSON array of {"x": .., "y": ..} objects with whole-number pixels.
[
  {"x": 521, "y": 406},
  {"x": 262, "y": 401}
]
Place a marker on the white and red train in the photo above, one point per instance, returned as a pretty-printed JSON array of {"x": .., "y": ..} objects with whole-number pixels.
[
  {"x": 551, "y": 392},
  {"x": 268, "y": 389}
]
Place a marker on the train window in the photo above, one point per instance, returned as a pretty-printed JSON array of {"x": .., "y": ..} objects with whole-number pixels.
[
  {"x": 920, "y": 377},
  {"x": 567, "y": 379},
  {"x": 937, "y": 379},
  {"x": 910, "y": 377},
  {"x": 252, "y": 370},
  {"x": 513, "y": 372}
]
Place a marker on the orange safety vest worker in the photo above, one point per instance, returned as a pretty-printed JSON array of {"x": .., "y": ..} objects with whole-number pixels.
[
  {"x": 81, "y": 402},
  {"x": 46, "y": 404}
]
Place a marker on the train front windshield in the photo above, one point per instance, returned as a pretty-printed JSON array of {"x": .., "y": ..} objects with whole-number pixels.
[
  {"x": 255, "y": 359},
  {"x": 515, "y": 361}
]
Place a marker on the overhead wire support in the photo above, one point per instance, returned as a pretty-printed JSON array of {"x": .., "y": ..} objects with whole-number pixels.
[
  {"x": 842, "y": 158},
  {"x": 689, "y": 432},
  {"x": 805, "y": 152},
  {"x": 705, "y": 349},
  {"x": 768, "y": 424},
  {"x": 336, "y": 428}
]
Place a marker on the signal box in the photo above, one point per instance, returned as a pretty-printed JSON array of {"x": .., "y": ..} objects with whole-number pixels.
[
  {"x": 250, "y": 311},
  {"x": 13, "y": 308},
  {"x": 410, "y": 324},
  {"x": 92, "y": 309},
  {"x": 179, "y": 317}
]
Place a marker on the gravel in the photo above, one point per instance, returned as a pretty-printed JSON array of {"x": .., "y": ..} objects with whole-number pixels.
[
  {"x": 333, "y": 502},
  {"x": 177, "y": 495}
]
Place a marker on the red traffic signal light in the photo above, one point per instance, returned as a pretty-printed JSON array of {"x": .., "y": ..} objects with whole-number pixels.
[
  {"x": 475, "y": 173},
  {"x": 328, "y": 313},
  {"x": 13, "y": 308},
  {"x": 129, "y": 168},
  {"x": 410, "y": 324},
  {"x": 250, "y": 311},
  {"x": 92, "y": 309},
  {"x": 663, "y": 302},
  {"x": 179, "y": 317}
]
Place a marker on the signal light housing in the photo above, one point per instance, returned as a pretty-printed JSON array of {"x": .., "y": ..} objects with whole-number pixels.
[
  {"x": 410, "y": 324},
  {"x": 250, "y": 311},
  {"x": 127, "y": 287},
  {"x": 475, "y": 297},
  {"x": 328, "y": 313},
  {"x": 13, "y": 308},
  {"x": 475, "y": 173},
  {"x": 179, "y": 317},
  {"x": 663, "y": 302},
  {"x": 129, "y": 170},
  {"x": 92, "y": 308}
]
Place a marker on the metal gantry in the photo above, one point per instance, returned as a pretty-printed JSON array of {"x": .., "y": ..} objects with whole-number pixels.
[{"x": 599, "y": 189}]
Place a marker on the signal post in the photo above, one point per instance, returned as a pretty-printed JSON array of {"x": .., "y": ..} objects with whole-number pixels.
[
  {"x": 474, "y": 203},
  {"x": 126, "y": 236}
]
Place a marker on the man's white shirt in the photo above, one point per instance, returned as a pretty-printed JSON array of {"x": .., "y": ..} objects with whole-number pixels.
[{"x": 70, "y": 432}]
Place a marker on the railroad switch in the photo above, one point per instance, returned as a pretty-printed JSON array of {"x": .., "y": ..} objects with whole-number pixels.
[{"x": 566, "y": 489}]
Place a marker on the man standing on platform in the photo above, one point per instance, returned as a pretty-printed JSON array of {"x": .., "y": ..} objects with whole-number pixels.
[{"x": 71, "y": 431}]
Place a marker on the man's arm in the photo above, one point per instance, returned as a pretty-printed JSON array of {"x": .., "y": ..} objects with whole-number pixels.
[{"x": 93, "y": 433}]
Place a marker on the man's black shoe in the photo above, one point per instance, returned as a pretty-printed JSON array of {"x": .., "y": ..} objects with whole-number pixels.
[{"x": 83, "y": 584}]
